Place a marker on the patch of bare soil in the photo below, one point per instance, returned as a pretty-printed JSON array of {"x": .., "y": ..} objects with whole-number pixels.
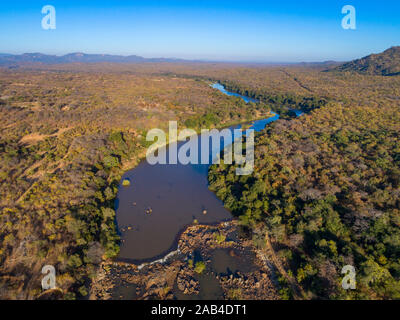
[{"x": 33, "y": 138}]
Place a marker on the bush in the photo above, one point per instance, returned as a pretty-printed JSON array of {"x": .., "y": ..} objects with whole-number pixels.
[
  {"x": 199, "y": 267},
  {"x": 235, "y": 294},
  {"x": 110, "y": 162},
  {"x": 83, "y": 291},
  {"x": 219, "y": 237}
]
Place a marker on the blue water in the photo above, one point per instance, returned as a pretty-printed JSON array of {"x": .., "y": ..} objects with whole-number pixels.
[
  {"x": 297, "y": 112},
  {"x": 221, "y": 88},
  {"x": 258, "y": 125}
]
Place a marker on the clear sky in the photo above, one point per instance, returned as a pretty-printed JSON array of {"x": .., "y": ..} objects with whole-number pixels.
[{"x": 269, "y": 31}]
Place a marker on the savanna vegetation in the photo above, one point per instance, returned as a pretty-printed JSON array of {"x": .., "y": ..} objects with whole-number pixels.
[
  {"x": 386, "y": 63},
  {"x": 66, "y": 138},
  {"x": 326, "y": 186}
]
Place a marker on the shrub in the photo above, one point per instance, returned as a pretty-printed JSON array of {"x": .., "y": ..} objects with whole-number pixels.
[
  {"x": 235, "y": 294},
  {"x": 219, "y": 237},
  {"x": 110, "y": 162},
  {"x": 200, "y": 267},
  {"x": 83, "y": 291}
]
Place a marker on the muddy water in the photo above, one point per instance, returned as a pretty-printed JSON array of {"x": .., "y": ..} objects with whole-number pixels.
[
  {"x": 210, "y": 289},
  {"x": 224, "y": 262},
  {"x": 125, "y": 292},
  {"x": 162, "y": 200},
  {"x": 229, "y": 261}
]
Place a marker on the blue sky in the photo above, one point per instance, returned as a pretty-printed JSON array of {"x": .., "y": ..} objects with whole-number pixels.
[{"x": 269, "y": 31}]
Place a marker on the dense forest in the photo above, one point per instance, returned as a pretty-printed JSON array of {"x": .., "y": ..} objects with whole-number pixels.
[{"x": 326, "y": 190}]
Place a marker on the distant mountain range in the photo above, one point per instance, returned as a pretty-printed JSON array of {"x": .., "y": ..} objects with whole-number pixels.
[
  {"x": 386, "y": 63},
  {"x": 78, "y": 57}
]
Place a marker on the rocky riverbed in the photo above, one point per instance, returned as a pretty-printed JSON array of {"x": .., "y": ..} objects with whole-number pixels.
[{"x": 213, "y": 262}]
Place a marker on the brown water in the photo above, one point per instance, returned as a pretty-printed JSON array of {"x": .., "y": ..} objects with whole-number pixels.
[
  {"x": 210, "y": 289},
  {"x": 224, "y": 262},
  {"x": 229, "y": 261},
  {"x": 176, "y": 194}
]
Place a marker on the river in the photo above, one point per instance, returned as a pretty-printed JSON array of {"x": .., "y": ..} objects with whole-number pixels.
[{"x": 176, "y": 194}]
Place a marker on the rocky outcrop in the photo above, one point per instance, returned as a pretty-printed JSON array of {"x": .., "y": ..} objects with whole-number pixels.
[
  {"x": 186, "y": 283},
  {"x": 176, "y": 276}
]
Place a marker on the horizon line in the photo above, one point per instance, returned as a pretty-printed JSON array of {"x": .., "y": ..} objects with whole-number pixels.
[{"x": 204, "y": 60}]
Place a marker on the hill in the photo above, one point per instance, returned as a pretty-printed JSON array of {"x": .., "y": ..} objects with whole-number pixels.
[
  {"x": 77, "y": 57},
  {"x": 386, "y": 63}
]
